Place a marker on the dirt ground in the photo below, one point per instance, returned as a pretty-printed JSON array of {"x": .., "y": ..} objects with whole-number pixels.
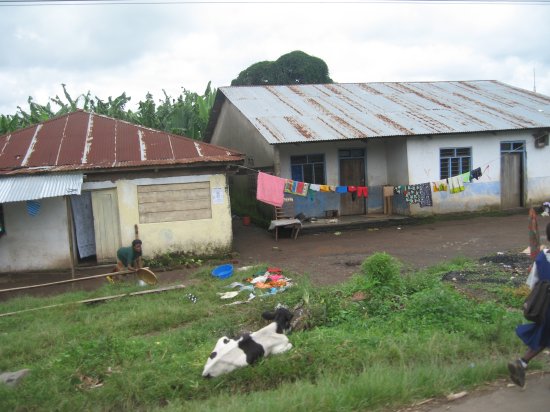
[{"x": 331, "y": 257}]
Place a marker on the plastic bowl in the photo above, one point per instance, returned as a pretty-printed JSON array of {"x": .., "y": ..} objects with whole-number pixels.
[{"x": 223, "y": 271}]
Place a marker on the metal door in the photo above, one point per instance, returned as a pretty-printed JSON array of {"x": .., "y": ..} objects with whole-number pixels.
[
  {"x": 511, "y": 180},
  {"x": 352, "y": 173},
  {"x": 106, "y": 225}
]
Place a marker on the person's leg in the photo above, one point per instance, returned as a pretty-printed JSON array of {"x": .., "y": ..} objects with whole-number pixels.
[
  {"x": 530, "y": 354},
  {"x": 118, "y": 268},
  {"x": 517, "y": 368}
]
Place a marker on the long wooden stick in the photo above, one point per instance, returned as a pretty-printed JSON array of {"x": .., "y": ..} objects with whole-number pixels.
[
  {"x": 125, "y": 272},
  {"x": 96, "y": 300}
]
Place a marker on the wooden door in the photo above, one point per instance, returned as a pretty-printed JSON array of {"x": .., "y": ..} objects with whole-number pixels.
[
  {"x": 352, "y": 173},
  {"x": 511, "y": 180},
  {"x": 106, "y": 224}
]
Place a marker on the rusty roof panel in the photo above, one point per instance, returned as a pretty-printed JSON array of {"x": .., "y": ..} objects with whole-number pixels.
[
  {"x": 74, "y": 139},
  {"x": 127, "y": 143},
  {"x": 99, "y": 147},
  {"x": 300, "y": 113},
  {"x": 16, "y": 148},
  {"x": 87, "y": 141},
  {"x": 45, "y": 151},
  {"x": 158, "y": 145}
]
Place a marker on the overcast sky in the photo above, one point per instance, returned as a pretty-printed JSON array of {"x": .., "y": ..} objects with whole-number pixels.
[{"x": 109, "y": 49}]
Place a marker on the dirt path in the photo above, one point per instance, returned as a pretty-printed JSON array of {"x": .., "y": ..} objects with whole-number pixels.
[{"x": 332, "y": 257}]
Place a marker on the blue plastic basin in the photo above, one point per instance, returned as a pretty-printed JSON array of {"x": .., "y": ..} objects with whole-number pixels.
[{"x": 223, "y": 271}]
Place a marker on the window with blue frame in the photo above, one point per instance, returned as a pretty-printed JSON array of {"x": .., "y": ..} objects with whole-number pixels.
[
  {"x": 455, "y": 161},
  {"x": 308, "y": 168}
]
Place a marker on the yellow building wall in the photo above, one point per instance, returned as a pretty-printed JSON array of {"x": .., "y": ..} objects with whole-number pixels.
[{"x": 199, "y": 237}]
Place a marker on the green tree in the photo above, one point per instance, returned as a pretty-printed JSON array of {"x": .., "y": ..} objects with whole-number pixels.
[
  {"x": 295, "y": 67},
  {"x": 186, "y": 115}
]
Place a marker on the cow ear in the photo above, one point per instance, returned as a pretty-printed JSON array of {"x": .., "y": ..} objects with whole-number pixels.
[{"x": 268, "y": 315}]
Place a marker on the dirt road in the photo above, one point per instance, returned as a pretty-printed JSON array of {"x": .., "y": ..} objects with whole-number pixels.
[{"x": 333, "y": 256}]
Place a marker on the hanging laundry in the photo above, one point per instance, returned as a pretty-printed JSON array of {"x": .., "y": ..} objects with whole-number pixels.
[
  {"x": 440, "y": 186},
  {"x": 332, "y": 188},
  {"x": 362, "y": 191},
  {"x": 475, "y": 174},
  {"x": 269, "y": 189},
  {"x": 296, "y": 188},
  {"x": 314, "y": 187},
  {"x": 400, "y": 190},
  {"x": 412, "y": 194},
  {"x": 324, "y": 188},
  {"x": 341, "y": 189},
  {"x": 425, "y": 195},
  {"x": 455, "y": 184},
  {"x": 466, "y": 177}
]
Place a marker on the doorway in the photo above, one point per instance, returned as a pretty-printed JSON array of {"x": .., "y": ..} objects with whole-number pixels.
[
  {"x": 352, "y": 173},
  {"x": 512, "y": 156}
]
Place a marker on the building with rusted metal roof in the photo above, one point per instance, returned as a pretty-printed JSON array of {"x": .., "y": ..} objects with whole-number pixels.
[
  {"x": 75, "y": 188},
  {"x": 393, "y": 135}
]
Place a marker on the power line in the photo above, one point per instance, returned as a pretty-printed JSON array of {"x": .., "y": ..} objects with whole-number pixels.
[{"x": 27, "y": 3}]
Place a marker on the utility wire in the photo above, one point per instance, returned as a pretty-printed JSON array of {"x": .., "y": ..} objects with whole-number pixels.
[{"x": 23, "y": 3}]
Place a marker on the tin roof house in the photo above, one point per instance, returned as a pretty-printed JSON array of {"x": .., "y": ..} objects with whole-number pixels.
[
  {"x": 491, "y": 136},
  {"x": 77, "y": 187}
]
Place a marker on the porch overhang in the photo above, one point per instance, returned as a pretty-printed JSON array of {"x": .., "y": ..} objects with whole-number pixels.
[{"x": 33, "y": 187}]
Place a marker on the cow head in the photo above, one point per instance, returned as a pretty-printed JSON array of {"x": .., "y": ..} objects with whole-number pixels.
[{"x": 281, "y": 316}]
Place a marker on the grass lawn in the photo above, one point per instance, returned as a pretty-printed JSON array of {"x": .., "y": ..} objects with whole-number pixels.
[{"x": 382, "y": 340}]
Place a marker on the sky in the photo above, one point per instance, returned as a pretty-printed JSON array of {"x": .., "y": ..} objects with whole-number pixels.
[{"x": 108, "y": 49}]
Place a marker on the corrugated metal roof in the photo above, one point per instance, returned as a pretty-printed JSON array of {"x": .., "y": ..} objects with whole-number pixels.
[
  {"x": 84, "y": 141},
  {"x": 320, "y": 112},
  {"x": 21, "y": 188}
]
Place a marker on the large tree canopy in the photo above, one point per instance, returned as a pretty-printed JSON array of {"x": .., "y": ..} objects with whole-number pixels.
[{"x": 295, "y": 67}]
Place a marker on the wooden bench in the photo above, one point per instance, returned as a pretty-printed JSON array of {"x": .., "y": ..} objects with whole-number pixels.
[{"x": 283, "y": 218}]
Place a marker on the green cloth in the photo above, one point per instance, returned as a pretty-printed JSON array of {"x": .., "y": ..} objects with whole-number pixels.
[{"x": 126, "y": 255}]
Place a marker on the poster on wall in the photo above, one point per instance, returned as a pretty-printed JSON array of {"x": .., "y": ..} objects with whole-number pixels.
[{"x": 217, "y": 195}]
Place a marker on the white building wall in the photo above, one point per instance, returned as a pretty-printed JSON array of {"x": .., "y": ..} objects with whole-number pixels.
[
  {"x": 203, "y": 236},
  {"x": 233, "y": 131},
  {"x": 396, "y": 161},
  {"x": 38, "y": 242},
  {"x": 482, "y": 194}
]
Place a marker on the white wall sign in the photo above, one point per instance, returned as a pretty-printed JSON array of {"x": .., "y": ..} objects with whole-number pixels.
[{"x": 217, "y": 195}]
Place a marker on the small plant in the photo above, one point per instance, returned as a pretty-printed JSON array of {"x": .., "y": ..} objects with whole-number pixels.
[{"x": 173, "y": 259}]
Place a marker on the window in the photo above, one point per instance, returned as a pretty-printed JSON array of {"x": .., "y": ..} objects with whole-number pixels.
[
  {"x": 454, "y": 162},
  {"x": 174, "y": 202},
  {"x": 308, "y": 168},
  {"x": 511, "y": 147}
]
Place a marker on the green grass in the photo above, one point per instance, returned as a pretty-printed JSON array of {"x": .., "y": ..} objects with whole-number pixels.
[{"x": 411, "y": 338}]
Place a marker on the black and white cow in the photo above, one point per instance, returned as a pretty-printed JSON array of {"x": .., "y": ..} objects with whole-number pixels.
[{"x": 230, "y": 354}]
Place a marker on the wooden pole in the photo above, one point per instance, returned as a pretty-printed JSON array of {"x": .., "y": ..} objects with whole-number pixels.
[
  {"x": 125, "y": 272},
  {"x": 70, "y": 230},
  {"x": 96, "y": 300}
]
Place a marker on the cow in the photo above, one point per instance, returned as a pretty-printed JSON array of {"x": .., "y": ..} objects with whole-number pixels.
[{"x": 230, "y": 354}]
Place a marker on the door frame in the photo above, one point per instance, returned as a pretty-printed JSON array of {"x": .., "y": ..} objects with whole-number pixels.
[
  {"x": 354, "y": 153},
  {"x": 514, "y": 147}
]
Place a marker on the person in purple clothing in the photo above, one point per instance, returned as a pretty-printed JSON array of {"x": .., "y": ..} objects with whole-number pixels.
[{"x": 535, "y": 336}]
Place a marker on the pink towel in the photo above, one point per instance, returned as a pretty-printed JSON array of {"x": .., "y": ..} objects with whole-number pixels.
[{"x": 270, "y": 189}]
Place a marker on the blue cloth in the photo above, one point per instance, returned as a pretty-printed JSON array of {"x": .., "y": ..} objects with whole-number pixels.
[{"x": 533, "y": 335}]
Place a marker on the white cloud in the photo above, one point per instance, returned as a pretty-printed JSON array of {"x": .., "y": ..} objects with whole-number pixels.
[{"x": 137, "y": 49}]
